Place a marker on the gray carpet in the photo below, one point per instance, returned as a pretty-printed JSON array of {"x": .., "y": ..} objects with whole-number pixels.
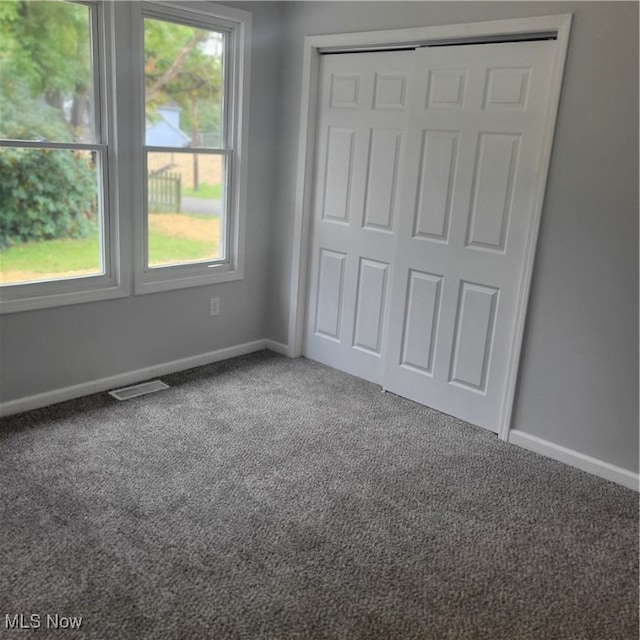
[{"x": 268, "y": 498}]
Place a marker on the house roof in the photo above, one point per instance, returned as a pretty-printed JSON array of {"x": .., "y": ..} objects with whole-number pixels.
[{"x": 166, "y": 121}]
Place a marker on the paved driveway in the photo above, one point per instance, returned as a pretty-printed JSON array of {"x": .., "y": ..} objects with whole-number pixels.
[{"x": 201, "y": 205}]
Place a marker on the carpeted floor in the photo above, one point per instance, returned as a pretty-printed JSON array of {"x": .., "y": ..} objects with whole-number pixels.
[{"x": 277, "y": 499}]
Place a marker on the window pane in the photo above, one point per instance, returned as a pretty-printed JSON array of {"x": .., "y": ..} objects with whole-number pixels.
[
  {"x": 49, "y": 215},
  {"x": 185, "y": 194},
  {"x": 183, "y": 72},
  {"x": 46, "y": 84}
]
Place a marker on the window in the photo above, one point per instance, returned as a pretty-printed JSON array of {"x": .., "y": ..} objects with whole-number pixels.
[
  {"x": 190, "y": 77},
  {"x": 56, "y": 231},
  {"x": 91, "y": 204},
  {"x": 184, "y": 112}
]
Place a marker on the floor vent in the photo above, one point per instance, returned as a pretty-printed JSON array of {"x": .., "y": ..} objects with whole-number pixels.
[{"x": 126, "y": 393}]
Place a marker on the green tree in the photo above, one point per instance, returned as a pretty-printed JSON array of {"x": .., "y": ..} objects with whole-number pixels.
[{"x": 46, "y": 55}]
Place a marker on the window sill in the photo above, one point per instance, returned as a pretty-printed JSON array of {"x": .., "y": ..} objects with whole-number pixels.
[
  {"x": 166, "y": 280},
  {"x": 44, "y": 300}
]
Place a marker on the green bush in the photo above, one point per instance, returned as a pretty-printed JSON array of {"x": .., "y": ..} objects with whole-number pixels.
[{"x": 45, "y": 194}]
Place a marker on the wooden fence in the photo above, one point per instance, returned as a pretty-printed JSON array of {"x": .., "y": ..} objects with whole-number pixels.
[{"x": 164, "y": 192}]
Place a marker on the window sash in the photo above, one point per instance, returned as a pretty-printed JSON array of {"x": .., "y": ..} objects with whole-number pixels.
[
  {"x": 53, "y": 292},
  {"x": 225, "y": 237},
  {"x": 71, "y": 146},
  {"x": 190, "y": 18}
]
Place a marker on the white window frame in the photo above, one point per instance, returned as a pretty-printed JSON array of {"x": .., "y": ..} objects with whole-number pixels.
[
  {"x": 36, "y": 295},
  {"x": 237, "y": 25}
]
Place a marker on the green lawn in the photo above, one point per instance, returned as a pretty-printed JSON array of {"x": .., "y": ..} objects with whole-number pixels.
[
  {"x": 53, "y": 256},
  {"x": 82, "y": 255},
  {"x": 208, "y": 191},
  {"x": 164, "y": 249}
]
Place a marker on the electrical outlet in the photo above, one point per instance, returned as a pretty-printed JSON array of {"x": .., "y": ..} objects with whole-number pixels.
[{"x": 214, "y": 307}]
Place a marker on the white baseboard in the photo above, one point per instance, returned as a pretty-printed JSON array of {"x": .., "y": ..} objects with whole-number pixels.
[
  {"x": 276, "y": 347},
  {"x": 576, "y": 459},
  {"x": 131, "y": 377}
]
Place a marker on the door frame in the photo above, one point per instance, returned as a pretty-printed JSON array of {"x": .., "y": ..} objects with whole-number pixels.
[{"x": 515, "y": 29}]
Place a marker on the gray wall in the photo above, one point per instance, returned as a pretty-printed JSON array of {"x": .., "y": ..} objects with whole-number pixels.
[
  {"x": 578, "y": 383},
  {"x": 51, "y": 349}
]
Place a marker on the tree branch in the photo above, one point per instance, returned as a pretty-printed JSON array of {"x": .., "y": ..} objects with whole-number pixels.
[{"x": 152, "y": 91}]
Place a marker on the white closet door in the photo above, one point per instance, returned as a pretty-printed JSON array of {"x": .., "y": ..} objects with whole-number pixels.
[
  {"x": 361, "y": 142},
  {"x": 426, "y": 168},
  {"x": 472, "y": 159}
]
